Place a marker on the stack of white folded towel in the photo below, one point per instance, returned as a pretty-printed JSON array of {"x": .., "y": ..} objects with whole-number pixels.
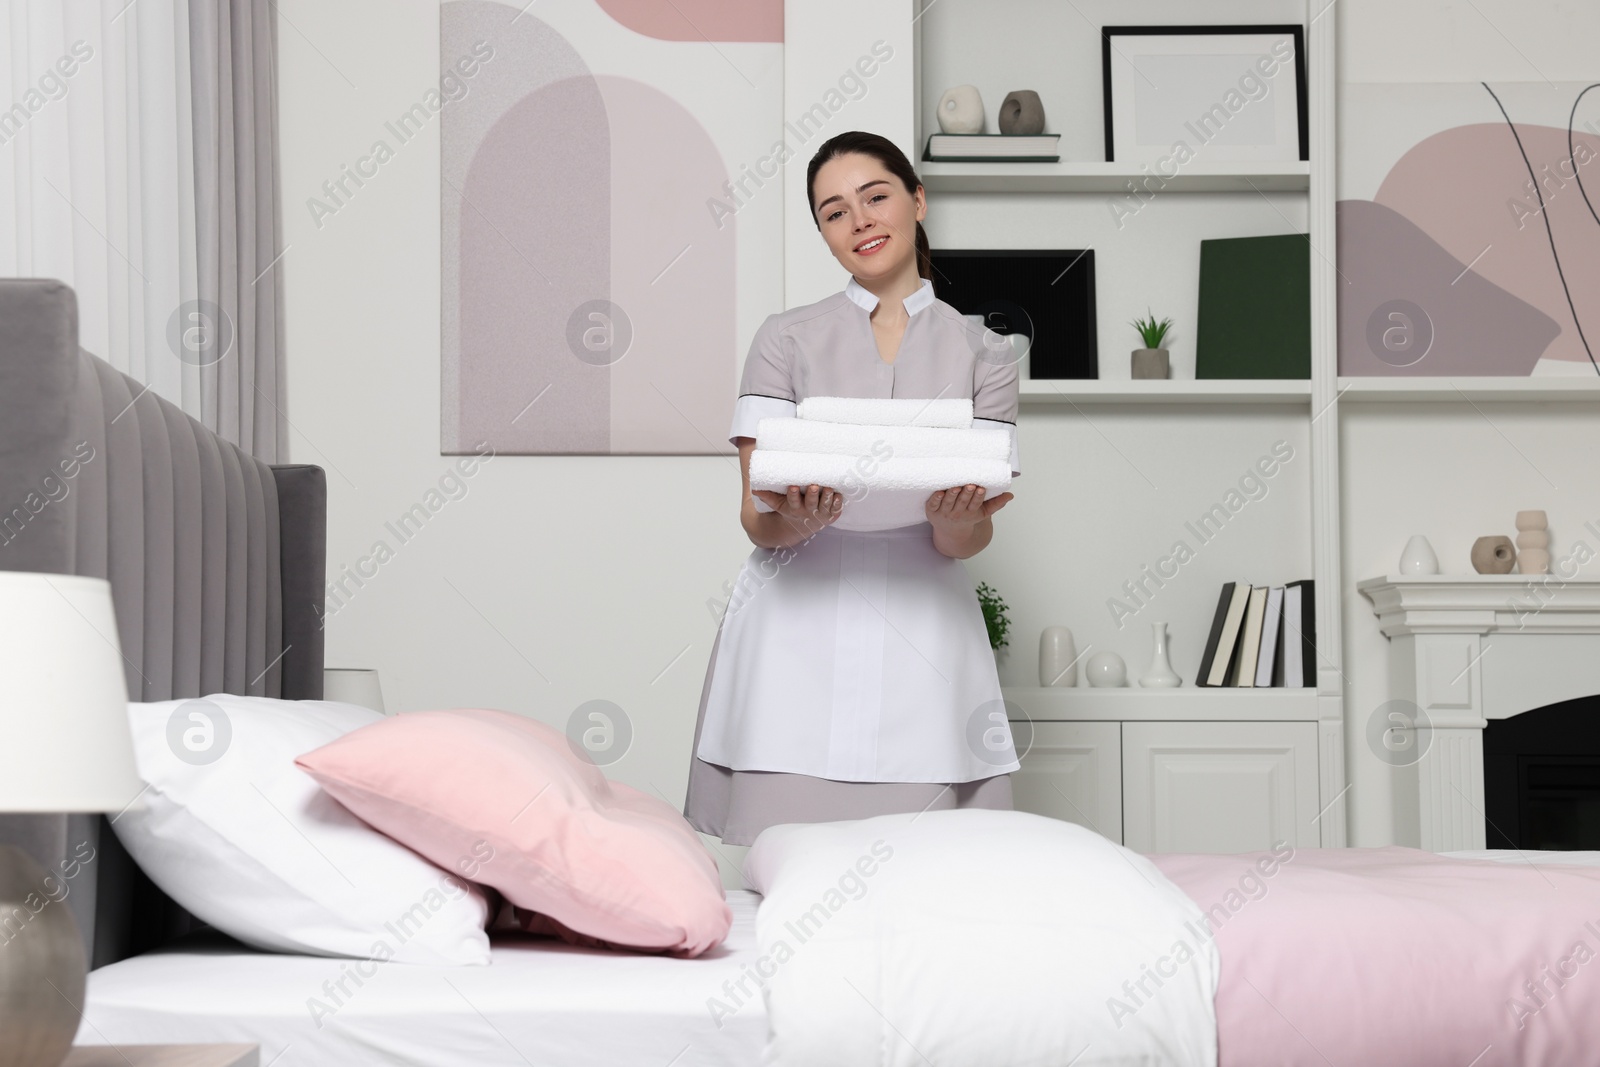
[{"x": 887, "y": 456}]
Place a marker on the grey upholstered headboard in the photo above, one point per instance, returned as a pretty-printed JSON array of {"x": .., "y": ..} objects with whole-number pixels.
[{"x": 216, "y": 562}]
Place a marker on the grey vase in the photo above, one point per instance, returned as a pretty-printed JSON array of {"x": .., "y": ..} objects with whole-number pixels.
[
  {"x": 1493, "y": 555},
  {"x": 1021, "y": 112}
]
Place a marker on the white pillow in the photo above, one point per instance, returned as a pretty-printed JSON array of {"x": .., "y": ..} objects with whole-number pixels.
[
  {"x": 233, "y": 831},
  {"x": 971, "y": 937}
]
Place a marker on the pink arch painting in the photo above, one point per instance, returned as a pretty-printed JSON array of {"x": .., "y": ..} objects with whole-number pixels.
[
  {"x": 589, "y": 297},
  {"x": 700, "y": 20}
]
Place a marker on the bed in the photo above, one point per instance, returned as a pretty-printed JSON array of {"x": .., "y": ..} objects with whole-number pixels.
[
  {"x": 216, "y": 563},
  {"x": 539, "y": 1002},
  {"x": 953, "y": 937}
]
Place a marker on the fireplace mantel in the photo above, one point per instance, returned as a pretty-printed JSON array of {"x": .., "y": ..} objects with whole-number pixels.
[
  {"x": 1483, "y": 603},
  {"x": 1464, "y": 649}
]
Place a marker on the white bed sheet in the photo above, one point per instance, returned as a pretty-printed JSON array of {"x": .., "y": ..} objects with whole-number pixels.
[{"x": 540, "y": 1001}]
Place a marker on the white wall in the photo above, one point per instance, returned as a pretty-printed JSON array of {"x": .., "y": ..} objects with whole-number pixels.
[
  {"x": 557, "y": 580},
  {"x": 1453, "y": 471},
  {"x": 553, "y": 580}
]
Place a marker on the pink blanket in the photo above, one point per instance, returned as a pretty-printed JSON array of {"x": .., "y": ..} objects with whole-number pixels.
[{"x": 1398, "y": 957}]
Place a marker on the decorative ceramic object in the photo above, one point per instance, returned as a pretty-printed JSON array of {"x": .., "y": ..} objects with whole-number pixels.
[
  {"x": 1533, "y": 543},
  {"x": 1533, "y": 561},
  {"x": 1106, "y": 670},
  {"x": 1493, "y": 555},
  {"x": 1151, "y": 363},
  {"x": 1418, "y": 557},
  {"x": 1021, "y": 112},
  {"x": 1160, "y": 675},
  {"x": 1058, "y": 657},
  {"x": 961, "y": 110}
]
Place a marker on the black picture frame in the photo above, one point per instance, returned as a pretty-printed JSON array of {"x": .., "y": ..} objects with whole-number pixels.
[
  {"x": 1294, "y": 29},
  {"x": 1046, "y": 293}
]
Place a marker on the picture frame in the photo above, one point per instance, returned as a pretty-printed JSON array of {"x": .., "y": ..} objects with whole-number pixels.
[
  {"x": 1046, "y": 294},
  {"x": 1157, "y": 79}
]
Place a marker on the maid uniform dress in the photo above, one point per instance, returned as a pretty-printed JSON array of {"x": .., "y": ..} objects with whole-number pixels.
[{"x": 852, "y": 673}]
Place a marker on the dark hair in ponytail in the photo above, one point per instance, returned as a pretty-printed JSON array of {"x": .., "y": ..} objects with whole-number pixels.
[{"x": 894, "y": 161}]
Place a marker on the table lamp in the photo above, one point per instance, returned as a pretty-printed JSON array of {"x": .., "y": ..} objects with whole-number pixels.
[
  {"x": 65, "y": 746},
  {"x": 353, "y": 685}
]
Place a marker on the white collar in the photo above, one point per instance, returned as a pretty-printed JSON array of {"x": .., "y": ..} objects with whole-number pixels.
[{"x": 913, "y": 303}]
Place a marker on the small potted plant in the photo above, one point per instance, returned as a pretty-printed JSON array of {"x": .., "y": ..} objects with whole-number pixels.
[
  {"x": 1151, "y": 360},
  {"x": 994, "y": 616}
]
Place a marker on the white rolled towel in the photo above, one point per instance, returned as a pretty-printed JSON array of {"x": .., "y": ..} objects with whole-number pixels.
[
  {"x": 780, "y": 433},
  {"x": 880, "y": 494},
  {"x": 880, "y": 411}
]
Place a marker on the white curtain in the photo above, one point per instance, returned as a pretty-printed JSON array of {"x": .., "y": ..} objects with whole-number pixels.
[{"x": 137, "y": 164}]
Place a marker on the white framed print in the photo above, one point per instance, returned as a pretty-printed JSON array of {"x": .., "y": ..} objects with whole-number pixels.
[{"x": 1219, "y": 93}]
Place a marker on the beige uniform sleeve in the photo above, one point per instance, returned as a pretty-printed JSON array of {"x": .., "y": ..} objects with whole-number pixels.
[
  {"x": 994, "y": 394},
  {"x": 766, "y": 388}
]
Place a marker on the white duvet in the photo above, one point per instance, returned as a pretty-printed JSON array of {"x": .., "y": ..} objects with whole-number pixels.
[{"x": 975, "y": 938}]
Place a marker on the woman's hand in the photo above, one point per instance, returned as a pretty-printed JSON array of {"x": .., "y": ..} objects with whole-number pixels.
[
  {"x": 809, "y": 507},
  {"x": 962, "y": 507}
]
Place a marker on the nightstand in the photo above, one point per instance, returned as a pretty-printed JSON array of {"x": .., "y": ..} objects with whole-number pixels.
[{"x": 163, "y": 1056}]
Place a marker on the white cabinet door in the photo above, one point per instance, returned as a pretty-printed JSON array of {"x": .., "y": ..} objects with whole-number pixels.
[
  {"x": 1073, "y": 771},
  {"x": 1218, "y": 786}
]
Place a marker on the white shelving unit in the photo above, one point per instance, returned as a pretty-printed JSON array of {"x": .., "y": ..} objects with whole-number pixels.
[
  {"x": 1169, "y": 391},
  {"x": 1268, "y": 764},
  {"x": 1065, "y": 703},
  {"x": 1115, "y": 463},
  {"x": 1091, "y": 177}
]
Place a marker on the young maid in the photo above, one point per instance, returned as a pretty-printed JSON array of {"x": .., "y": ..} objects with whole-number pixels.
[{"x": 852, "y": 673}]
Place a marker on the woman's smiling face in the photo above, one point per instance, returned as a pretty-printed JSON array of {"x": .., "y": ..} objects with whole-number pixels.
[{"x": 866, "y": 215}]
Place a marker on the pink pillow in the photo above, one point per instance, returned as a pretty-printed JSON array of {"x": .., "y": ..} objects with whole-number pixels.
[{"x": 507, "y": 802}]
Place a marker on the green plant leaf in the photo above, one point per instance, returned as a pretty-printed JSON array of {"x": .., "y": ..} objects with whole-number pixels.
[
  {"x": 1153, "y": 333},
  {"x": 994, "y": 615}
]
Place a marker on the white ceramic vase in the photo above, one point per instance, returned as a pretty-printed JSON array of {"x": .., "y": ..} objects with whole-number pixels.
[
  {"x": 1058, "y": 657},
  {"x": 961, "y": 110},
  {"x": 1418, "y": 557},
  {"x": 1106, "y": 670},
  {"x": 1160, "y": 675}
]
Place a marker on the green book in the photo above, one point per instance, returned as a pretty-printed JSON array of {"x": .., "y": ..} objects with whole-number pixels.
[{"x": 1255, "y": 308}]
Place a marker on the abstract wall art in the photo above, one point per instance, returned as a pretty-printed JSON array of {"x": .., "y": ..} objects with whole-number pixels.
[
  {"x": 605, "y": 252},
  {"x": 1469, "y": 229}
]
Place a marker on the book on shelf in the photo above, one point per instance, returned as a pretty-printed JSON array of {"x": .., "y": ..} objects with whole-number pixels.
[
  {"x": 1244, "y": 674},
  {"x": 1254, "y": 314},
  {"x": 992, "y": 148},
  {"x": 1224, "y": 637},
  {"x": 1261, "y": 636},
  {"x": 1271, "y": 628},
  {"x": 1299, "y": 633}
]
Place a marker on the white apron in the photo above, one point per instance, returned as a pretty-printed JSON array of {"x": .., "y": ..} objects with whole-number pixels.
[{"x": 859, "y": 656}]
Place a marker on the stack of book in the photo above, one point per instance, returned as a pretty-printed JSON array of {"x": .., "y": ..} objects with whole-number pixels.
[
  {"x": 992, "y": 148},
  {"x": 1262, "y": 635}
]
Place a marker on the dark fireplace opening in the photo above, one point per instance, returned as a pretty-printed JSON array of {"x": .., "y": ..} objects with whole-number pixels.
[{"x": 1541, "y": 778}]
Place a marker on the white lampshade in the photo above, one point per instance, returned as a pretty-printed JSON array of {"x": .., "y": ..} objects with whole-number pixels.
[
  {"x": 353, "y": 685},
  {"x": 65, "y": 744}
]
